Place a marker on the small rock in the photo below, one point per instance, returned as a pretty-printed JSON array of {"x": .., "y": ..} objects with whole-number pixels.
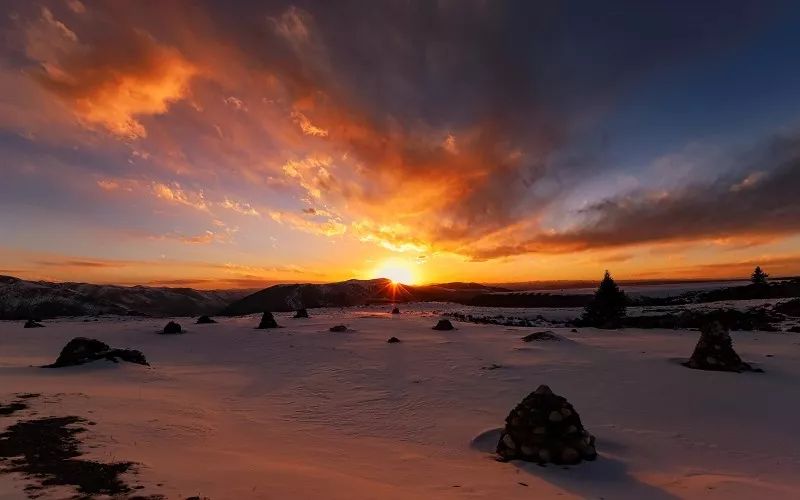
[
  {"x": 396, "y": 311},
  {"x": 338, "y": 328},
  {"x": 267, "y": 321},
  {"x": 301, "y": 313},
  {"x": 172, "y": 328},
  {"x": 32, "y": 324},
  {"x": 205, "y": 320},
  {"x": 393, "y": 340},
  {"x": 540, "y": 336},
  {"x": 444, "y": 324}
]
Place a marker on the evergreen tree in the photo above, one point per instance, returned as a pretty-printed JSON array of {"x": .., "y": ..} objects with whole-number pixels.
[
  {"x": 759, "y": 277},
  {"x": 608, "y": 305}
]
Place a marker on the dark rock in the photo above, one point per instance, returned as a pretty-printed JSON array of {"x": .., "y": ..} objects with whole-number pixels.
[
  {"x": 205, "y": 320},
  {"x": 338, "y": 328},
  {"x": 537, "y": 336},
  {"x": 543, "y": 428},
  {"x": 789, "y": 308},
  {"x": 444, "y": 324},
  {"x": 574, "y": 330},
  {"x": 301, "y": 313},
  {"x": 82, "y": 350},
  {"x": 714, "y": 351},
  {"x": 172, "y": 328},
  {"x": 795, "y": 329},
  {"x": 393, "y": 340},
  {"x": 396, "y": 311},
  {"x": 32, "y": 324},
  {"x": 267, "y": 321}
]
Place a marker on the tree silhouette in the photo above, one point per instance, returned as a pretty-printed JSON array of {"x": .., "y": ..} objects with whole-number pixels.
[
  {"x": 607, "y": 308},
  {"x": 759, "y": 277}
]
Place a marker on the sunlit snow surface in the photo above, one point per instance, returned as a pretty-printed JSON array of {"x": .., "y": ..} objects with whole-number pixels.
[{"x": 227, "y": 411}]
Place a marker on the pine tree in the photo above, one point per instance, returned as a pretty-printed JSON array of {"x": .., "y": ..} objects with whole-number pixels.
[
  {"x": 759, "y": 277},
  {"x": 607, "y": 307}
]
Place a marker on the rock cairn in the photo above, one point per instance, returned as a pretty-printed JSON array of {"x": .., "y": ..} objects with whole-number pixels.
[
  {"x": 714, "y": 351},
  {"x": 444, "y": 324},
  {"x": 267, "y": 321},
  {"x": 82, "y": 350},
  {"x": 172, "y": 328},
  {"x": 543, "y": 428}
]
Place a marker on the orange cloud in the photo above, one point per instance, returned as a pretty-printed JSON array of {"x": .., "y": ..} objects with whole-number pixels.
[{"x": 109, "y": 84}]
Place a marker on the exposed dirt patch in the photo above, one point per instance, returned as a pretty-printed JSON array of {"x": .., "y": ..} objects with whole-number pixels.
[{"x": 46, "y": 451}]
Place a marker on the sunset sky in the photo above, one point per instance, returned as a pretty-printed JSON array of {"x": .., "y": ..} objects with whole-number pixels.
[{"x": 234, "y": 144}]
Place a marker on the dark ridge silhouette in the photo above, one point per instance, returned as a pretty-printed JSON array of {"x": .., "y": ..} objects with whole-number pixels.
[
  {"x": 788, "y": 288},
  {"x": 757, "y": 318}
]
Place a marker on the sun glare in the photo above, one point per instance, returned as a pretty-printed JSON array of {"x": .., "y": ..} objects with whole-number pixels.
[{"x": 399, "y": 271}]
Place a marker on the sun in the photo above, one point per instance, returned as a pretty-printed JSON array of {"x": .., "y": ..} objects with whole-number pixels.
[{"x": 398, "y": 271}]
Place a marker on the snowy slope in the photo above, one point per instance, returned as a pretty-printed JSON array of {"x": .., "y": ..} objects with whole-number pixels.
[
  {"x": 21, "y": 299},
  {"x": 226, "y": 411}
]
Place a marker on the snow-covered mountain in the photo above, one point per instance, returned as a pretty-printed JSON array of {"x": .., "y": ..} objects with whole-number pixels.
[
  {"x": 21, "y": 299},
  {"x": 350, "y": 293}
]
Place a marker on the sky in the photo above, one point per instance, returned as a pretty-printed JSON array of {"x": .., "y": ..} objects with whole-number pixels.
[{"x": 241, "y": 143}]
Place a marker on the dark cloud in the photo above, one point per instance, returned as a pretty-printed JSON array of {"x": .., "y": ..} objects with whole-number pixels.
[{"x": 761, "y": 201}]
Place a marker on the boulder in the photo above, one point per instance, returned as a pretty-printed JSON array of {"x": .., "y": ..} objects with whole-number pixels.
[
  {"x": 714, "y": 351},
  {"x": 32, "y": 324},
  {"x": 539, "y": 336},
  {"x": 82, "y": 350},
  {"x": 393, "y": 340},
  {"x": 444, "y": 324},
  {"x": 172, "y": 328},
  {"x": 205, "y": 320},
  {"x": 395, "y": 310},
  {"x": 301, "y": 313},
  {"x": 338, "y": 328},
  {"x": 267, "y": 321},
  {"x": 544, "y": 427}
]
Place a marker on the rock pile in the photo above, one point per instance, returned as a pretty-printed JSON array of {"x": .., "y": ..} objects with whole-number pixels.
[
  {"x": 205, "y": 320},
  {"x": 544, "y": 427},
  {"x": 338, "y": 328},
  {"x": 714, "y": 351},
  {"x": 172, "y": 328},
  {"x": 267, "y": 321},
  {"x": 393, "y": 340},
  {"x": 301, "y": 313},
  {"x": 32, "y": 324},
  {"x": 396, "y": 311},
  {"x": 82, "y": 350},
  {"x": 444, "y": 324},
  {"x": 538, "y": 336}
]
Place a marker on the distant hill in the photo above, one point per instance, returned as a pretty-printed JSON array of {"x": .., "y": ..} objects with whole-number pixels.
[
  {"x": 351, "y": 293},
  {"x": 21, "y": 299}
]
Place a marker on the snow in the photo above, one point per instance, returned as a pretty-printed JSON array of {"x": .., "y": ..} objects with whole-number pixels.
[{"x": 227, "y": 411}]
